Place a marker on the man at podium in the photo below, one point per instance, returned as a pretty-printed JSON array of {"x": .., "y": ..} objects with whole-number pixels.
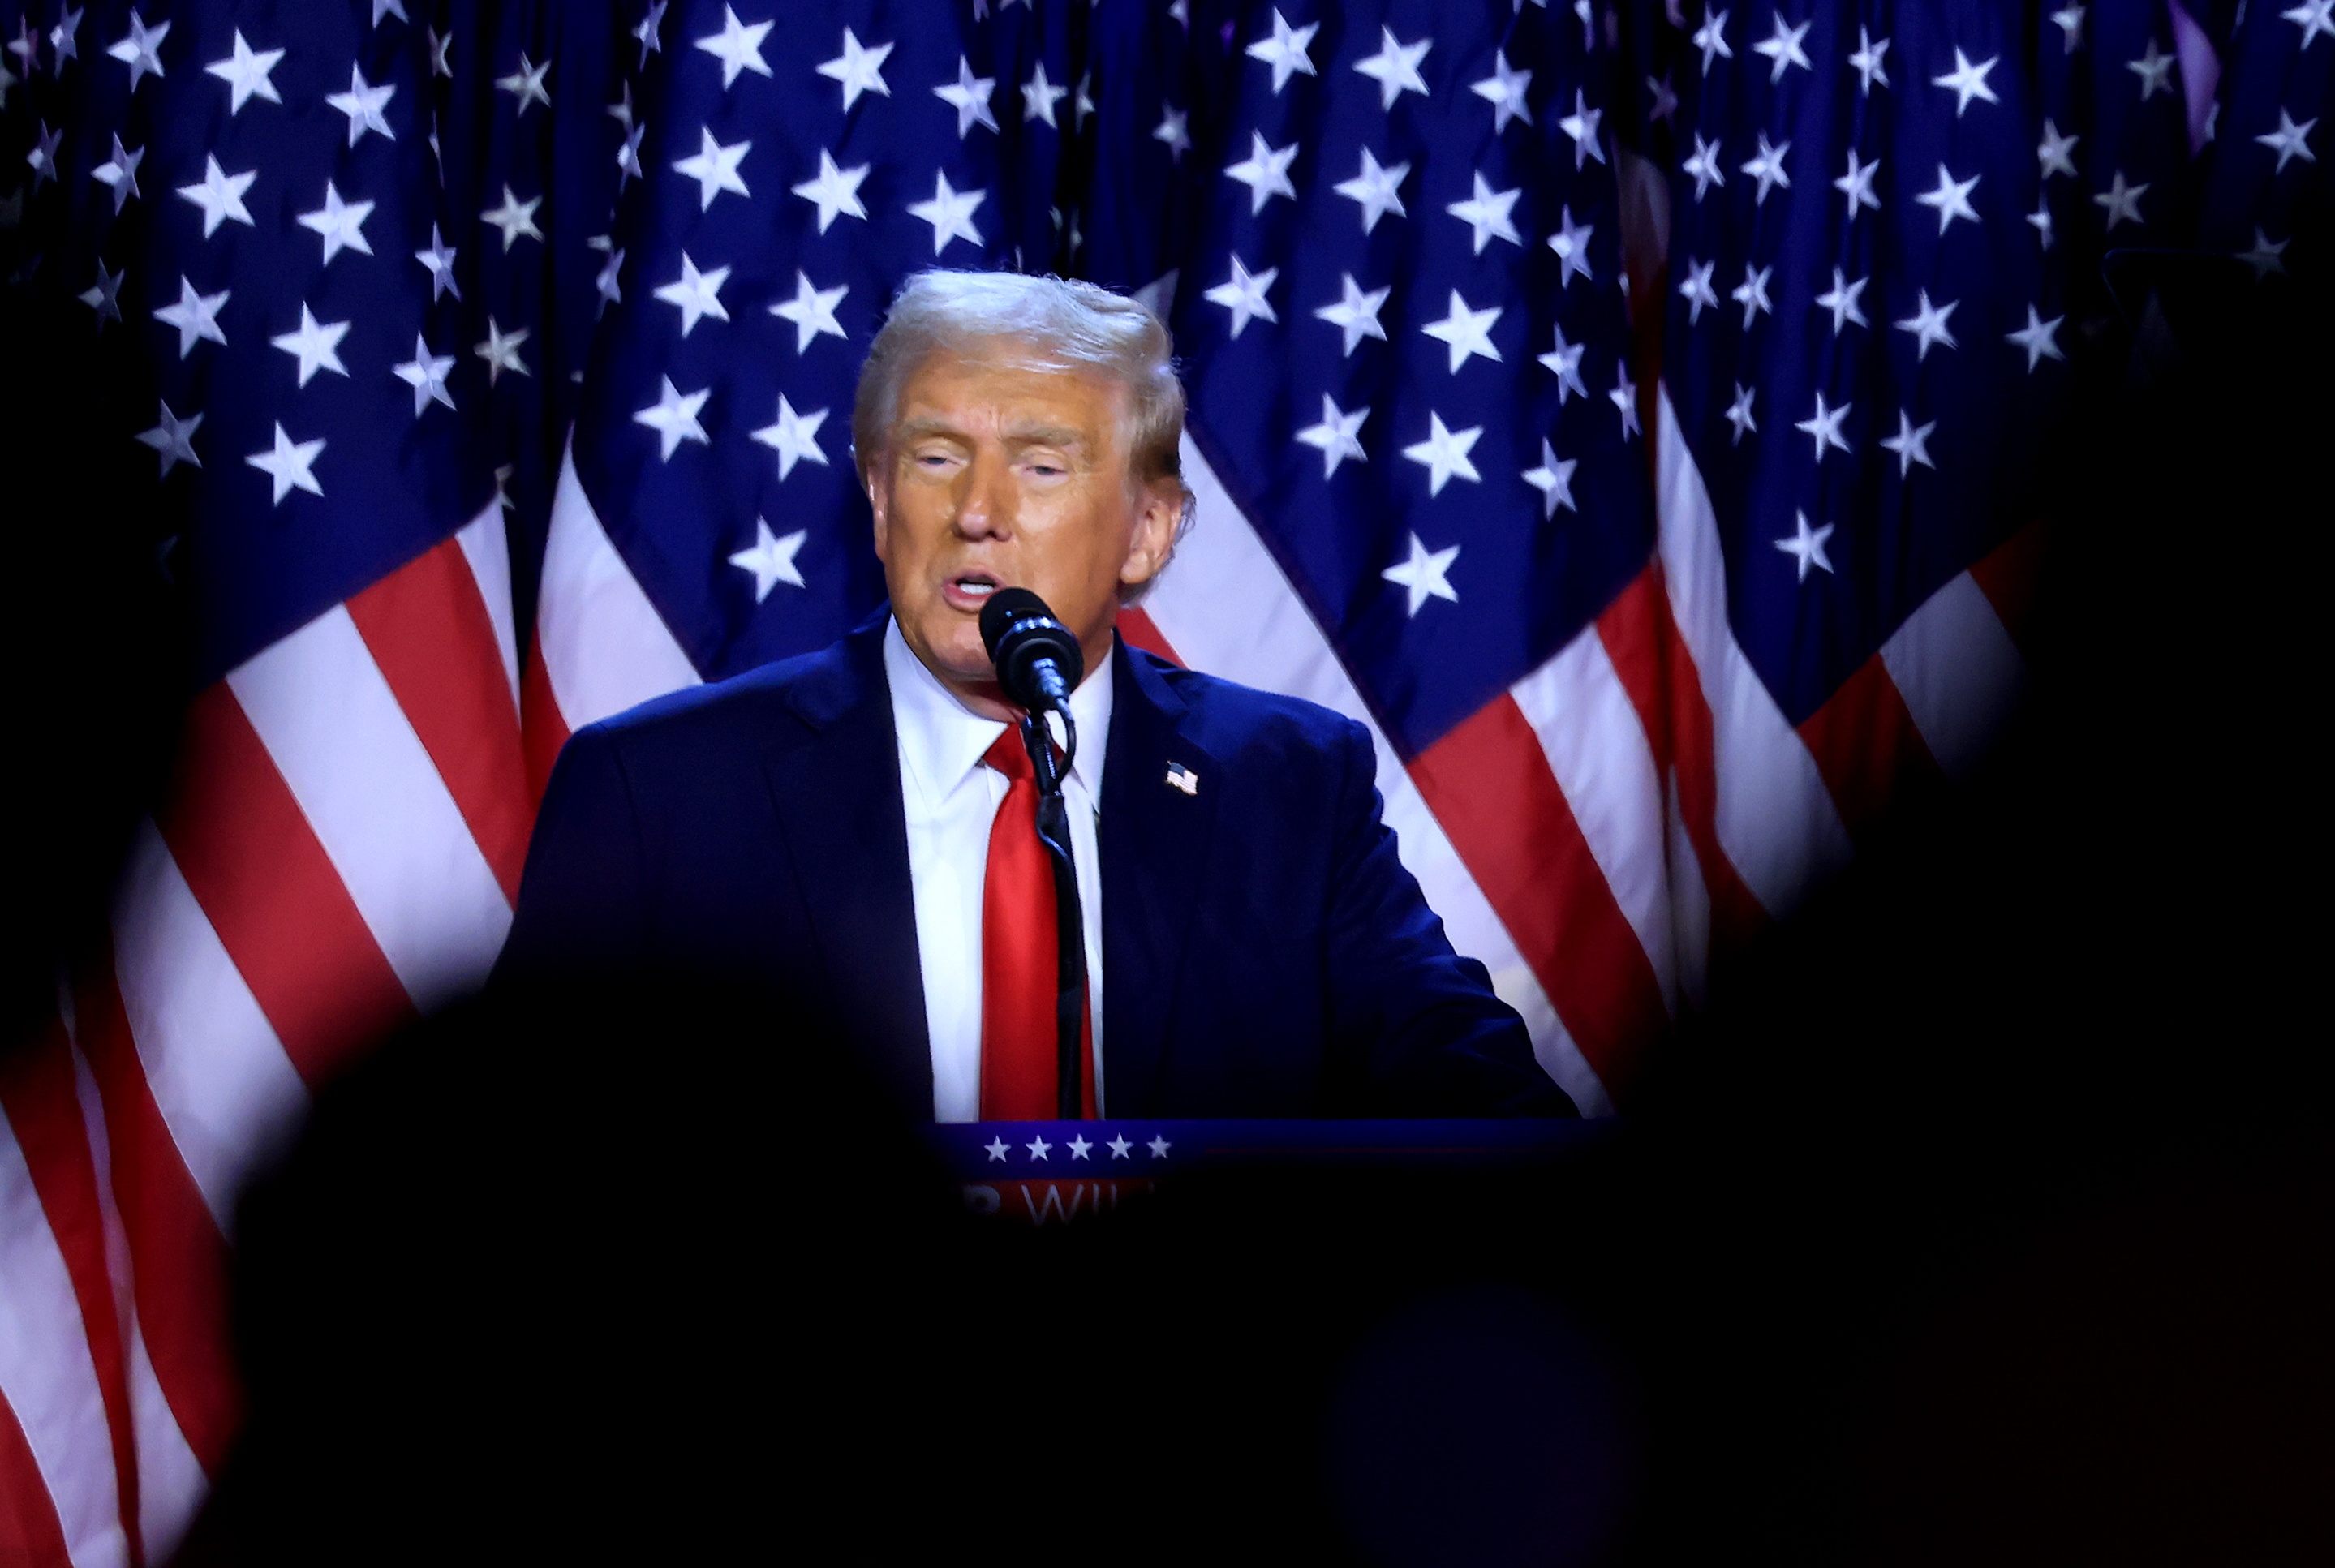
[{"x": 855, "y": 830}]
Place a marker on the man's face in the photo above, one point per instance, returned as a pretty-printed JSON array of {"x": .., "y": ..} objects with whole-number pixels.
[{"x": 999, "y": 474}]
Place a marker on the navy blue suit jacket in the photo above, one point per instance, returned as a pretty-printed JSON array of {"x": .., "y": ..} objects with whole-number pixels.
[{"x": 1265, "y": 952}]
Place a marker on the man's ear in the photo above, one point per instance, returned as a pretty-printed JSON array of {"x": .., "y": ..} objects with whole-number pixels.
[
  {"x": 1158, "y": 513},
  {"x": 878, "y": 502}
]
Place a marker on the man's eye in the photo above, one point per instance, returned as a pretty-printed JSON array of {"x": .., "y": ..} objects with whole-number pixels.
[{"x": 1046, "y": 470}]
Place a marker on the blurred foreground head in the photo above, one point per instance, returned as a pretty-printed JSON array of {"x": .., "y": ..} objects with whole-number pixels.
[{"x": 576, "y": 1274}]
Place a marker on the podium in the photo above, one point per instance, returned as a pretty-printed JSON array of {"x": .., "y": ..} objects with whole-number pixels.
[{"x": 1043, "y": 1173}]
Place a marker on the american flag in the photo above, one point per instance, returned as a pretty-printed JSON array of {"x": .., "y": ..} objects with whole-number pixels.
[{"x": 1632, "y": 415}]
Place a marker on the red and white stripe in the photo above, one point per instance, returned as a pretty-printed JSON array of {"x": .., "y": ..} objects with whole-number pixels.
[{"x": 339, "y": 851}]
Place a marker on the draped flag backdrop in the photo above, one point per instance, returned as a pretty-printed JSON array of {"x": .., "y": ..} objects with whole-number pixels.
[{"x": 1636, "y": 417}]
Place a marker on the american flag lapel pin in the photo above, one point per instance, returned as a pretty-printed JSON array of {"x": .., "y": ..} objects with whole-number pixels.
[{"x": 1182, "y": 778}]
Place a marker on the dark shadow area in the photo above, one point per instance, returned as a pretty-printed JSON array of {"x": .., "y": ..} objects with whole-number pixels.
[
  {"x": 93, "y": 632},
  {"x": 1996, "y": 1187}
]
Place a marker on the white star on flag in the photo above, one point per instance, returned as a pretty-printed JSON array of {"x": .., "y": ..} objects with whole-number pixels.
[
  {"x": 673, "y": 417},
  {"x": 2055, "y": 153},
  {"x": 1711, "y": 38},
  {"x": 1356, "y": 314},
  {"x": 715, "y": 169},
  {"x": 1078, "y": 1147},
  {"x": 526, "y": 84},
  {"x": 1466, "y": 333},
  {"x": 1739, "y": 413},
  {"x": 196, "y": 316},
  {"x": 1967, "y": 81},
  {"x": 2265, "y": 257},
  {"x": 1911, "y": 443},
  {"x": 1039, "y": 97},
  {"x": 1266, "y": 172},
  {"x": 1563, "y": 363},
  {"x": 2121, "y": 201},
  {"x": 141, "y": 50},
  {"x": 2070, "y": 21},
  {"x": 340, "y": 224},
  {"x": 832, "y": 190},
  {"x": 1766, "y": 166},
  {"x": 2039, "y": 338},
  {"x": 290, "y": 464},
  {"x": 246, "y": 74},
  {"x": 64, "y": 40},
  {"x": 363, "y": 103},
  {"x": 772, "y": 558},
  {"x": 812, "y": 310},
  {"x": 1807, "y": 546},
  {"x": 1580, "y": 125},
  {"x": 739, "y": 47},
  {"x": 1572, "y": 247},
  {"x": 440, "y": 259},
  {"x": 1119, "y": 1146},
  {"x": 1751, "y": 293},
  {"x": 1286, "y": 51},
  {"x": 104, "y": 295},
  {"x": 1505, "y": 90},
  {"x": 1038, "y": 1147},
  {"x": 1552, "y": 480},
  {"x": 1842, "y": 301},
  {"x": 1395, "y": 67},
  {"x": 1158, "y": 1148},
  {"x": 1624, "y": 396},
  {"x": 317, "y": 345},
  {"x": 950, "y": 212},
  {"x": 1696, "y": 289},
  {"x": 1425, "y": 574},
  {"x": 2312, "y": 16},
  {"x": 119, "y": 172},
  {"x": 173, "y": 439},
  {"x": 514, "y": 217},
  {"x": 1487, "y": 212},
  {"x": 1783, "y": 47},
  {"x": 1928, "y": 325},
  {"x": 1951, "y": 199},
  {"x": 1244, "y": 296},
  {"x": 426, "y": 374},
  {"x": 2154, "y": 70},
  {"x": 1337, "y": 437},
  {"x": 1175, "y": 130},
  {"x": 1444, "y": 453},
  {"x": 858, "y": 70},
  {"x": 794, "y": 437},
  {"x": 2289, "y": 140},
  {"x": 969, "y": 95},
  {"x": 220, "y": 196},
  {"x": 1701, "y": 165},
  {"x": 1822, "y": 427},
  {"x": 696, "y": 295},
  {"x": 1866, "y": 61},
  {"x": 500, "y": 350},
  {"x": 1373, "y": 190}
]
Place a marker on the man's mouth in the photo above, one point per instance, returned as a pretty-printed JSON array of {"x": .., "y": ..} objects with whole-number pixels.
[{"x": 970, "y": 590}]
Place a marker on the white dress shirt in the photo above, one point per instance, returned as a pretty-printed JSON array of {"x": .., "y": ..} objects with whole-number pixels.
[{"x": 950, "y": 800}]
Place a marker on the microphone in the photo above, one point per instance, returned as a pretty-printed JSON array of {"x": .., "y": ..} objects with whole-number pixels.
[{"x": 1038, "y": 663}]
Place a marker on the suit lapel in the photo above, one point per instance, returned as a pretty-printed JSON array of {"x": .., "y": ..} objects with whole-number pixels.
[
  {"x": 1154, "y": 840},
  {"x": 835, "y": 785}
]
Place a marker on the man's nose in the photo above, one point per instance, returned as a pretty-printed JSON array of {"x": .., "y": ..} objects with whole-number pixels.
[{"x": 985, "y": 509}]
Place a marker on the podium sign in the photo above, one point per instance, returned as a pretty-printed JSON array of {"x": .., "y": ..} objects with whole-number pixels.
[{"x": 1054, "y": 1172}]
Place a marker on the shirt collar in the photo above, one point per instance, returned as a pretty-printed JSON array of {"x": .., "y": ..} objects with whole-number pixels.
[{"x": 941, "y": 741}]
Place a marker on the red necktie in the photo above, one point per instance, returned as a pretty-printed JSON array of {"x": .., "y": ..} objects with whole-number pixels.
[{"x": 1020, "y": 965}]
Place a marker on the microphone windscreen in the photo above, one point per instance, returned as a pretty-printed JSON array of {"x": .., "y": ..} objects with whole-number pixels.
[{"x": 1005, "y": 607}]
